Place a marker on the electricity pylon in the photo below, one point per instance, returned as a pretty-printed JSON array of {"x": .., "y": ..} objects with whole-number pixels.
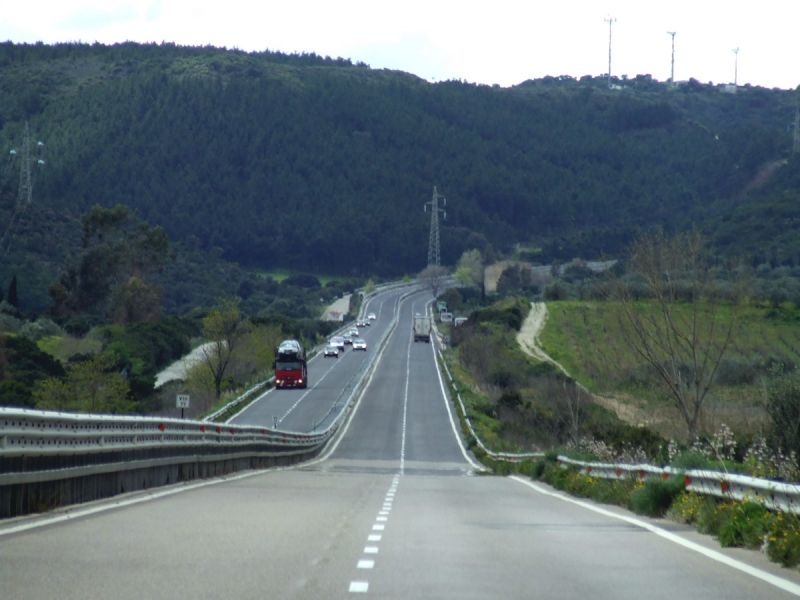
[
  {"x": 25, "y": 190},
  {"x": 434, "y": 257}
]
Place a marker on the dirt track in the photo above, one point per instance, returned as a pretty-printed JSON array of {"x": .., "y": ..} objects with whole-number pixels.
[{"x": 528, "y": 340}]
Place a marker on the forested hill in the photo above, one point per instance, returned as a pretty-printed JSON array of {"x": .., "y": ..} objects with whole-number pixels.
[{"x": 319, "y": 164}]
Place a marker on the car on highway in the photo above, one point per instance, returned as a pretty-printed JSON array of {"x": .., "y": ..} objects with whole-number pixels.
[
  {"x": 331, "y": 350},
  {"x": 359, "y": 344},
  {"x": 338, "y": 341},
  {"x": 372, "y": 316},
  {"x": 353, "y": 332},
  {"x": 348, "y": 339},
  {"x": 361, "y": 323}
]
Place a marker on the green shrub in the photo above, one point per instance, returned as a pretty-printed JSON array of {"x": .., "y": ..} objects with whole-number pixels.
[
  {"x": 687, "y": 506},
  {"x": 783, "y": 540},
  {"x": 713, "y": 516},
  {"x": 655, "y": 497},
  {"x": 749, "y": 522}
]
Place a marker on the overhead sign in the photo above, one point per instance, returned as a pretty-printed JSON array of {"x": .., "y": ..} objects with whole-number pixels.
[{"x": 182, "y": 401}]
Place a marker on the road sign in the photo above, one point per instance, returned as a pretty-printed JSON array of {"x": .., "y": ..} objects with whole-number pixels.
[{"x": 182, "y": 401}]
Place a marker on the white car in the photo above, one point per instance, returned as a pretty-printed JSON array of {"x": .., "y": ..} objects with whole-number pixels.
[
  {"x": 331, "y": 350},
  {"x": 338, "y": 341},
  {"x": 372, "y": 316},
  {"x": 359, "y": 344},
  {"x": 353, "y": 332}
]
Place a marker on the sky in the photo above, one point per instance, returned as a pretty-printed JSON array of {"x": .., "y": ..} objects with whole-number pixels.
[{"x": 500, "y": 42}]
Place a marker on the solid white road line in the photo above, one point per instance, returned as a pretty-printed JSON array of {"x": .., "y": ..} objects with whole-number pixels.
[
  {"x": 456, "y": 433},
  {"x": 774, "y": 580}
]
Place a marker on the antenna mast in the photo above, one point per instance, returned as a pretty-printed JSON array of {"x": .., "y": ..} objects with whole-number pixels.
[
  {"x": 672, "y": 65},
  {"x": 736, "y": 67},
  {"x": 434, "y": 257},
  {"x": 610, "y": 21}
]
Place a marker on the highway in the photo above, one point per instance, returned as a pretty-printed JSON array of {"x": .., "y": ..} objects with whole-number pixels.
[{"x": 394, "y": 508}]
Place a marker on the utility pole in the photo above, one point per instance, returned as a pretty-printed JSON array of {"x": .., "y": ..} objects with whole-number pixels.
[
  {"x": 610, "y": 21},
  {"x": 25, "y": 190},
  {"x": 736, "y": 67},
  {"x": 672, "y": 65},
  {"x": 434, "y": 258}
]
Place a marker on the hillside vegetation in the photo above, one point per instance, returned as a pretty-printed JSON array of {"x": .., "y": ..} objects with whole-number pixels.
[
  {"x": 321, "y": 165},
  {"x": 584, "y": 336}
]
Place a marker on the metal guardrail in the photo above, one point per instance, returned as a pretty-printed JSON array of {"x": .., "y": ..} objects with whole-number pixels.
[
  {"x": 52, "y": 458},
  {"x": 774, "y": 495}
]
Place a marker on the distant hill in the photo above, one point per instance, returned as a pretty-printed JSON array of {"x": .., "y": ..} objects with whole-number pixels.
[{"x": 304, "y": 162}]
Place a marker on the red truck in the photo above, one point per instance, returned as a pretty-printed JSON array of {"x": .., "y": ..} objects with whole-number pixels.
[{"x": 291, "y": 369}]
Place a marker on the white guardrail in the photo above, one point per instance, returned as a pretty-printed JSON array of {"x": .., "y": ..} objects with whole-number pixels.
[
  {"x": 775, "y": 495},
  {"x": 44, "y": 447}
]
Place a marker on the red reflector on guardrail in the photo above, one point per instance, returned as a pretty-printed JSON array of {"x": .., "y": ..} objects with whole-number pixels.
[{"x": 161, "y": 426}]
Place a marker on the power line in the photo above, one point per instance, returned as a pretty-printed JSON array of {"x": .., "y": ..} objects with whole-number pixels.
[{"x": 434, "y": 257}]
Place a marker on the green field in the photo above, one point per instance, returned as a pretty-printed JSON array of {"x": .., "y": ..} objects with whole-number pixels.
[{"x": 585, "y": 337}]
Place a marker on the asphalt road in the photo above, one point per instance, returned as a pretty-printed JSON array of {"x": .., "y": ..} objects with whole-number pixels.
[{"x": 394, "y": 510}]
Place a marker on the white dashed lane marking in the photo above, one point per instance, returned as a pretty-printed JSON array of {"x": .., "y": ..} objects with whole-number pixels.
[{"x": 360, "y": 586}]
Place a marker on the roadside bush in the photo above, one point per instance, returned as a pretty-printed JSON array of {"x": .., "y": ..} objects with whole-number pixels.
[
  {"x": 687, "y": 506},
  {"x": 713, "y": 516},
  {"x": 783, "y": 540},
  {"x": 655, "y": 497},
  {"x": 749, "y": 522}
]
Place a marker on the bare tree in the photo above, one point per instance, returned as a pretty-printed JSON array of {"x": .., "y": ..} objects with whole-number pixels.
[
  {"x": 572, "y": 406},
  {"x": 223, "y": 328},
  {"x": 683, "y": 326},
  {"x": 433, "y": 276}
]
